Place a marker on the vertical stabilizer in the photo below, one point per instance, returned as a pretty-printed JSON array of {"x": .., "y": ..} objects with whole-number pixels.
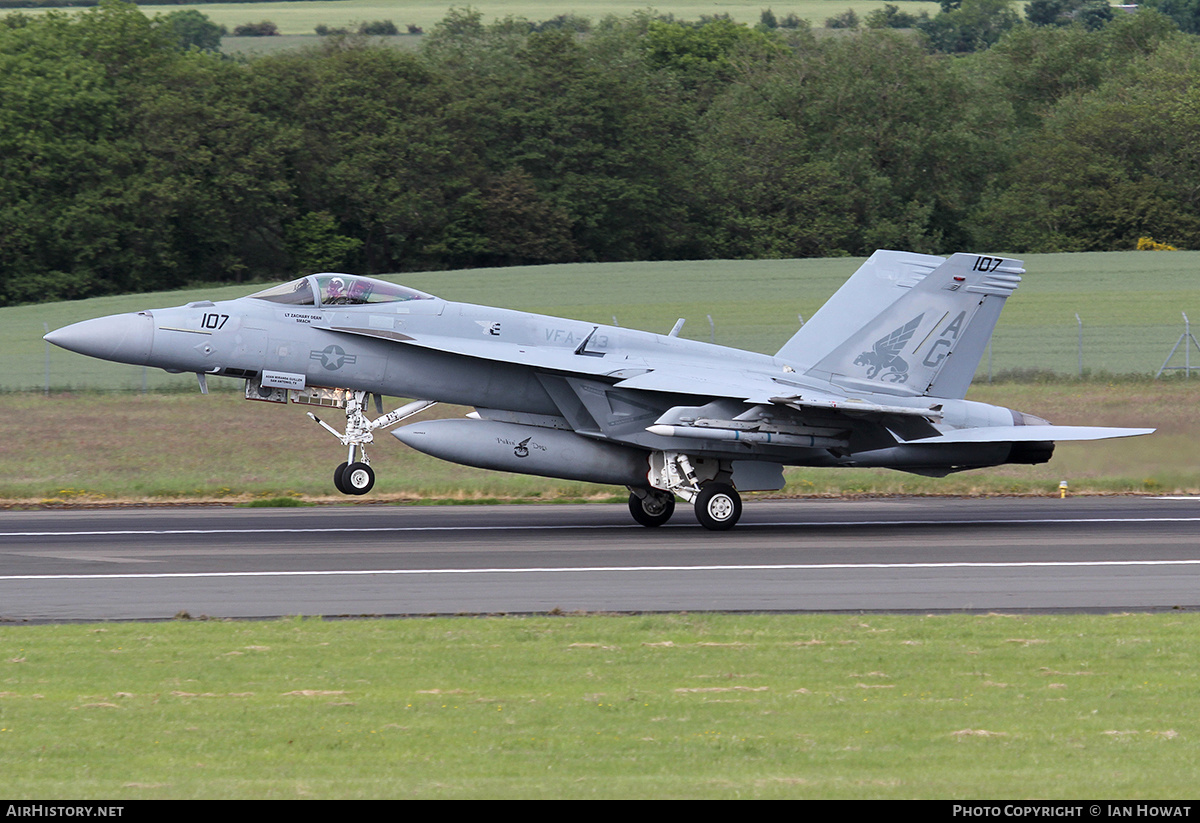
[
  {"x": 930, "y": 340},
  {"x": 883, "y": 279}
]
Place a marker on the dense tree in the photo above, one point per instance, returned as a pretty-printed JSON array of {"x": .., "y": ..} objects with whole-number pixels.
[
  {"x": 1185, "y": 13},
  {"x": 972, "y": 25},
  {"x": 384, "y": 28},
  {"x": 600, "y": 147},
  {"x": 1091, "y": 14},
  {"x": 316, "y": 246},
  {"x": 520, "y": 224},
  {"x": 214, "y": 168},
  {"x": 862, "y": 129},
  {"x": 128, "y": 164},
  {"x": 891, "y": 17},
  {"x": 263, "y": 28},
  {"x": 1110, "y": 166},
  {"x": 705, "y": 55},
  {"x": 194, "y": 29},
  {"x": 761, "y": 188},
  {"x": 845, "y": 20},
  {"x": 373, "y": 150},
  {"x": 1035, "y": 67}
]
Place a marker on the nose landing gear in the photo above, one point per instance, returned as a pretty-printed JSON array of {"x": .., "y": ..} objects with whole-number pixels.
[{"x": 356, "y": 476}]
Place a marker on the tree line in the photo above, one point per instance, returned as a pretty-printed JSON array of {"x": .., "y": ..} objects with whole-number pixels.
[{"x": 133, "y": 157}]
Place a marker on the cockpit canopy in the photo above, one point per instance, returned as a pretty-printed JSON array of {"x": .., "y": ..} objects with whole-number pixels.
[{"x": 338, "y": 290}]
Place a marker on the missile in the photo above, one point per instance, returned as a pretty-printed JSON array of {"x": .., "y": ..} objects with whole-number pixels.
[{"x": 515, "y": 447}]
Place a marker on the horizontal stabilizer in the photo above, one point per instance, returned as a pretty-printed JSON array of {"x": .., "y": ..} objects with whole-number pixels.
[{"x": 1032, "y": 434}]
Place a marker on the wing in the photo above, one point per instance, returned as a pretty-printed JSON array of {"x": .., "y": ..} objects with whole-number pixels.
[
  {"x": 578, "y": 360},
  {"x": 758, "y": 388}
]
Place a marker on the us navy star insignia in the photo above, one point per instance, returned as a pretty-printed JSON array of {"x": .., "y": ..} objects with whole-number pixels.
[{"x": 333, "y": 357}]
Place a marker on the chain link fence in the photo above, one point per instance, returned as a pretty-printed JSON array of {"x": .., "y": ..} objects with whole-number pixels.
[{"x": 1078, "y": 349}]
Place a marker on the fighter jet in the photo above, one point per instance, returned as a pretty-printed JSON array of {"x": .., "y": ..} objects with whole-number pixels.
[{"x": 876, "y": 378}]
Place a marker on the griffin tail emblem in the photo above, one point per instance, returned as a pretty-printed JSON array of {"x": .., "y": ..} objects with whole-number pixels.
[{"x": 885, "y": 354}]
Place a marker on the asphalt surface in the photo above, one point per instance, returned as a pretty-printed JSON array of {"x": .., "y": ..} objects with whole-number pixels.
[{"x": 904, "y": 554}]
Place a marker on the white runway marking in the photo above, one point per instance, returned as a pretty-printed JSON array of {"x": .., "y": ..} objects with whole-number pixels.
[
  {"x": 572, "y": 527},
  {"x": 609, "y": 569}
]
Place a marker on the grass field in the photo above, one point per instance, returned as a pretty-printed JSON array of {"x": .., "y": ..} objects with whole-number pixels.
[
  {"x": 85, "y": 448},
  {"x": 303, "y": 17},
  {"x": 651, "y": 706},
  {"x": 300, "y": 19}
]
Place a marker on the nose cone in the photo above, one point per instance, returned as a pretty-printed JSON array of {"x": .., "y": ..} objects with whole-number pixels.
[{"x": 124, "y": 338}]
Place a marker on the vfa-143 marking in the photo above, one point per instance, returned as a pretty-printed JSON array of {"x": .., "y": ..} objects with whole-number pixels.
[{"x": 876, "y": 378}]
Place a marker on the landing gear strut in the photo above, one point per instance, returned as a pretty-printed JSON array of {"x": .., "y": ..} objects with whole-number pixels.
[{"x": 357, "y": 476}]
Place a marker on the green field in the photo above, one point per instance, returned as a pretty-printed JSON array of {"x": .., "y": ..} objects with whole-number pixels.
[
  {"x": 649, "y": 706},
  {"x": 303, "y": 17},
  {"x": 86, "y": 448}
]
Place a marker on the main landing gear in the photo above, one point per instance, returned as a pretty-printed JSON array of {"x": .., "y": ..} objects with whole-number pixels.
[
  {"x": 651, "y": 507},
  {"x": 718, "y": 506},
  {"x": 356, "y": 476},
  {"x": 704, "y": 484}
]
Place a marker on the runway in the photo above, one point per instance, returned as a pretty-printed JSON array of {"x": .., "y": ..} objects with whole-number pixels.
[{"x": 902, "y": 554}]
